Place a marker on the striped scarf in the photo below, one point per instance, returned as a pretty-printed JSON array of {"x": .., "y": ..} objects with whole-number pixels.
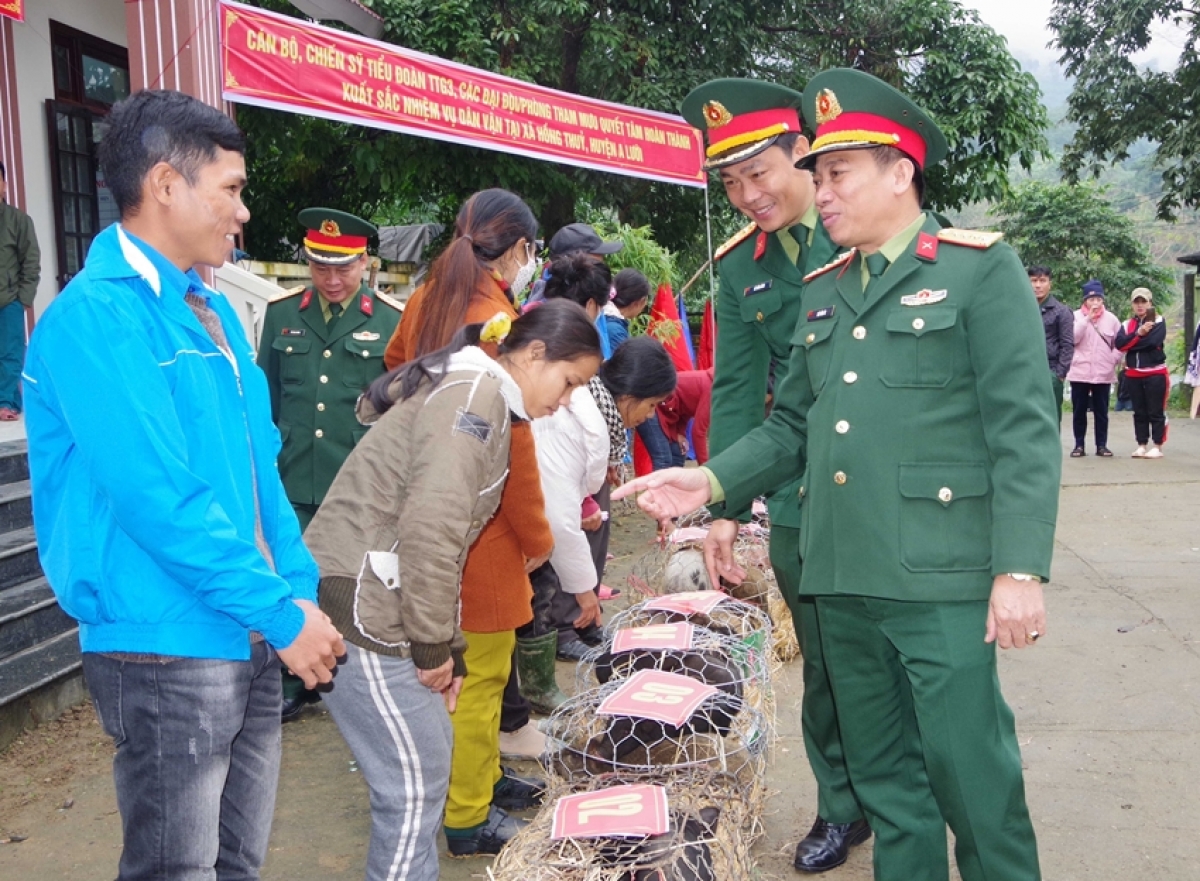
[{"x": 612, "y": 417}]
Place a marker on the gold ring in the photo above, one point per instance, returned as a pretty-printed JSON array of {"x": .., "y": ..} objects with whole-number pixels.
[{"x": 1032, "y": 637}]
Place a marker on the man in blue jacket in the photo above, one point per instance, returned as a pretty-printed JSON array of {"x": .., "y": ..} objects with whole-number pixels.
[{"x": 160, "y": 518}]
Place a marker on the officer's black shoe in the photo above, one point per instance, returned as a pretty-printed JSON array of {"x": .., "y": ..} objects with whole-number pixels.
[
  {"x": 571, "y": 651},
  {"x": 293, "y": 706},
  {"x": 828, "y": 845},
  {"x": 516, "y": 793},
  {"x": 487, "y": 840}
]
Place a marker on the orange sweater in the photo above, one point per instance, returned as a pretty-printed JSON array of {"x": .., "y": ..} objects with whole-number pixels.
[{"x": 496, "y": 593}]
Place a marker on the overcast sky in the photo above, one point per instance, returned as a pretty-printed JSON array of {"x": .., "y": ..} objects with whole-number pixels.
[{"x": 1023, "y": 23}]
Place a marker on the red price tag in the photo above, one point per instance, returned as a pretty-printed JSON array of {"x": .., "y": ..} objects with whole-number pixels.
[
  {"x": 617, "y": 811},
  {"x": 690, "y": 603},
  {"x": 652, "y": 694},
  {"x": 677, "y": 636}
]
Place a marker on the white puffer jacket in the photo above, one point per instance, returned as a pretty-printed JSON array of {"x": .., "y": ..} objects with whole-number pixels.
[{"x": 572, "y": 452}]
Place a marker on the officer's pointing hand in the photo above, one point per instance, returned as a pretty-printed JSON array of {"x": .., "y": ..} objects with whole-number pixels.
[{"x": 669, "y": 493}]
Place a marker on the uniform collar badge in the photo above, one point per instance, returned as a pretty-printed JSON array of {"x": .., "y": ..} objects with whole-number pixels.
[
  {"x": 927, "y": 247},
  {"x": 923, "y": 298},
  {"x": 365, "y": 306}
]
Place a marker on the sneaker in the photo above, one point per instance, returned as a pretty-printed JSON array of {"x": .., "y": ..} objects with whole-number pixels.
[
  {"x": 488, "y": 838},
  {"x": 515, "y": 793},
  {"x": 1140, "y": 452},
  {"x": 526, "y": 742},
  {"x": 1153, "y": 452}
]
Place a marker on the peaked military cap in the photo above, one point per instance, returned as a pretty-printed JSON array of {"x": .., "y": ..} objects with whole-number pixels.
[
  {"x": 740, "y": 118},
  {"x": 334, "y": 238},
  {"x": 852, "y": 110}
]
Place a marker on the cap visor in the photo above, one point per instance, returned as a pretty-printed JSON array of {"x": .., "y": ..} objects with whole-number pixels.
[
  {"x": 608, "y": 248},
  {"x": 330, "y": 258},
  {"x": 810, "y": 159}
]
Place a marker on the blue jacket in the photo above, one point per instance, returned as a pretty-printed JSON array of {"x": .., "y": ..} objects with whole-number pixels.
[{"x": 141, "y": 434}]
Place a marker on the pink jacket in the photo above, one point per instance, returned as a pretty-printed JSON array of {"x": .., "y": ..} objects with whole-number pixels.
[{"x": 1095, "y": 357}]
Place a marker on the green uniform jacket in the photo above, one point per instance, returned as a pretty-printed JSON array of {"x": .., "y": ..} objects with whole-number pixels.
[
  {"x": 924, "y": 433},
  {"x": 758, "y": 304},
  {"x": 315, "y": 375},
  {"x": 20, "y": 259}
]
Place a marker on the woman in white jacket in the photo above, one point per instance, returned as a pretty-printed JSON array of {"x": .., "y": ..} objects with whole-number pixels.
[{"x": 573, "y": 457}]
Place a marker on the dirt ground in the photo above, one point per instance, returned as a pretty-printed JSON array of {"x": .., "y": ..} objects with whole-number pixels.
[{"x": 1107, "y": 705}]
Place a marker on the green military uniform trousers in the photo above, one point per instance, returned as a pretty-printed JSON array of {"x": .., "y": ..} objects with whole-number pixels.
[{"x": 758, "y": 305}]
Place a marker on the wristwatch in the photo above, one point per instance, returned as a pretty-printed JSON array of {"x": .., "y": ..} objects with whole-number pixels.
[{"x": 1023, "y": 576}]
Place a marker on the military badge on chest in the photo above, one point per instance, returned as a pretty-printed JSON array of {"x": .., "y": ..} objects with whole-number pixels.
[{"x": 924, "y": 297}]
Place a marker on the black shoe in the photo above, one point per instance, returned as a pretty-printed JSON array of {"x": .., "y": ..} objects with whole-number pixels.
[
  {"x": 1078, "y": 453},
  {"x": 516, "y": 793},
  {"x": 293, "y": 706},
  {"x": 1104, "y": 451},
  {"x": 571, "y": 651},
  {"x": 828, "y": 845},
  {"x": 487, "y": 840}
]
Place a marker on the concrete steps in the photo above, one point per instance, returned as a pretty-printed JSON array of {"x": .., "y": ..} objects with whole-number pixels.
[{"x": 40, "y": 665}]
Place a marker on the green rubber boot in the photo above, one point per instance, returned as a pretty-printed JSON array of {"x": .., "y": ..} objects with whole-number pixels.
[{"x": 535, "y": 672}]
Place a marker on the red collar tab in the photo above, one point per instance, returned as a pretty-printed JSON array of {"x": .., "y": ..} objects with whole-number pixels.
[
  {"x": 306, "y": 299},
  {"x": 760, "y": 245},
  {"x": 365, "y": 306},
  {"x": 927, "y": 247}
]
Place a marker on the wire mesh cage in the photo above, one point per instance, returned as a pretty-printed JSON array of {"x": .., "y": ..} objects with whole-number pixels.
[
  {"x": 604, "y": 731},
  {"x": 681, "y": 648},
  {"x": 728, "y": 616},
  {"x": 711, "y": 828}
]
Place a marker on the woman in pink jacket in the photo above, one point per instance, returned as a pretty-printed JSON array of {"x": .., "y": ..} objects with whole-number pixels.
[{"x": 1093, "y": 368}]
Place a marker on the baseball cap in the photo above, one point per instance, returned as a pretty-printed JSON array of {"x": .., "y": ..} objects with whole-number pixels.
[
  {"x": 581, "y": 237},
  {"x": 1141, "y": 294}
]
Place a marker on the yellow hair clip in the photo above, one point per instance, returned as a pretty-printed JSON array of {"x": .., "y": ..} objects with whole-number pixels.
[{"x": 496, "y": 328}]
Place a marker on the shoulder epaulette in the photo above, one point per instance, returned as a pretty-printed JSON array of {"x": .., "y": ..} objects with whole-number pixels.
[
  {"x": 289, "y": 292},
  {"x": 389, "y": 300},
  {"x": 740, "y": 236},
  {"x": 969, "y": 238},
  {"x": 839, "y": 260}
]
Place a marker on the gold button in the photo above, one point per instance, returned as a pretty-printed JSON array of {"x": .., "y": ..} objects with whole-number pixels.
[
  {"x": 319, "y": 433},
  {"x": 860, "y": 332},
  {"x": 839, "y": 477},
  {"x": 759, "y": 316},
  {"x": 321, "y": 407},
  {"x": 327, "y": 353},
  {"x": 800, "y": 492},
  {"x": 945, "y": 494},
  {"x": 808, "y": 339},
  {"x": 842, "y": 427},
  {"x": 850, "y": 376},
  {"x": 918, "y": 323},
  {"x": 324, "y": 379},
  {"x": 288, "y": 349}
]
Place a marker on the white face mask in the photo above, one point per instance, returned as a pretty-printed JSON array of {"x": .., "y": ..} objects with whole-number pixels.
[{"x": 524, "y": 274}]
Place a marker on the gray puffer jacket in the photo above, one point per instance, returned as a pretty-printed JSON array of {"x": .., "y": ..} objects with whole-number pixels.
[{"x": 392, "y": 535}]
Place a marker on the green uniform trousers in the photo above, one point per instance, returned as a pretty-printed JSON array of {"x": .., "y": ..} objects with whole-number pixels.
[
  {"x": 836, "y": 802},
  {"x": 929, "y": 739}
]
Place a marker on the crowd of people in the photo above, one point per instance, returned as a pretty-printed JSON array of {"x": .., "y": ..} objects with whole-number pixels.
[
  {"x": 1087, "y": 348},
  {"x": 407, "y": 511}
]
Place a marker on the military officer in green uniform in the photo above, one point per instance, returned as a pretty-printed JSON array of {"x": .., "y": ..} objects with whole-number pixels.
[
  {"x": 753, "y": 140},
  {"x": 321, "y": 346},
  {"x": 915, "y": 408}
]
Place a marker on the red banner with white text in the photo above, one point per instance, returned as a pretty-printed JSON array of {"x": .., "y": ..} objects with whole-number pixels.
[
  {"x": 271, "y": 60},
  {"x": 14, "y": 9}
]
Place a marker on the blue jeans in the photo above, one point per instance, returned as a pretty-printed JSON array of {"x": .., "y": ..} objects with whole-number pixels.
[
  {"x": 664, "y": 452},
  {"x": 12, "y": 354},
  {"x": 197, "y": 762}
]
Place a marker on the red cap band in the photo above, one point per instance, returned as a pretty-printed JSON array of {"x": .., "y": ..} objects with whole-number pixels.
[
  {"x": 857, "y": 127},
  {"x": 749, "y": 127}
]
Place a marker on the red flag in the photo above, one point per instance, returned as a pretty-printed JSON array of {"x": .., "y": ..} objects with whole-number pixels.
[
  {"x": 665, "y": 327},
  {"x": 705, "y": 352}
]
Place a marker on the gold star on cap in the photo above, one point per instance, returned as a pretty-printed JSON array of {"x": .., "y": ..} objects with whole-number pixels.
[
  {"x": 715, "y": 114},
  {"x": 828, "y": 108},
  {"x": 330, "y": 228}
]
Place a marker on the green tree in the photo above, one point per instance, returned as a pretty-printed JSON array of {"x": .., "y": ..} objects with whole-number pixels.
[
  {"x": 1076, "y": 232},
  {"x": 1116, "y": 104},
  {"x": 647, "y": 53}
]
